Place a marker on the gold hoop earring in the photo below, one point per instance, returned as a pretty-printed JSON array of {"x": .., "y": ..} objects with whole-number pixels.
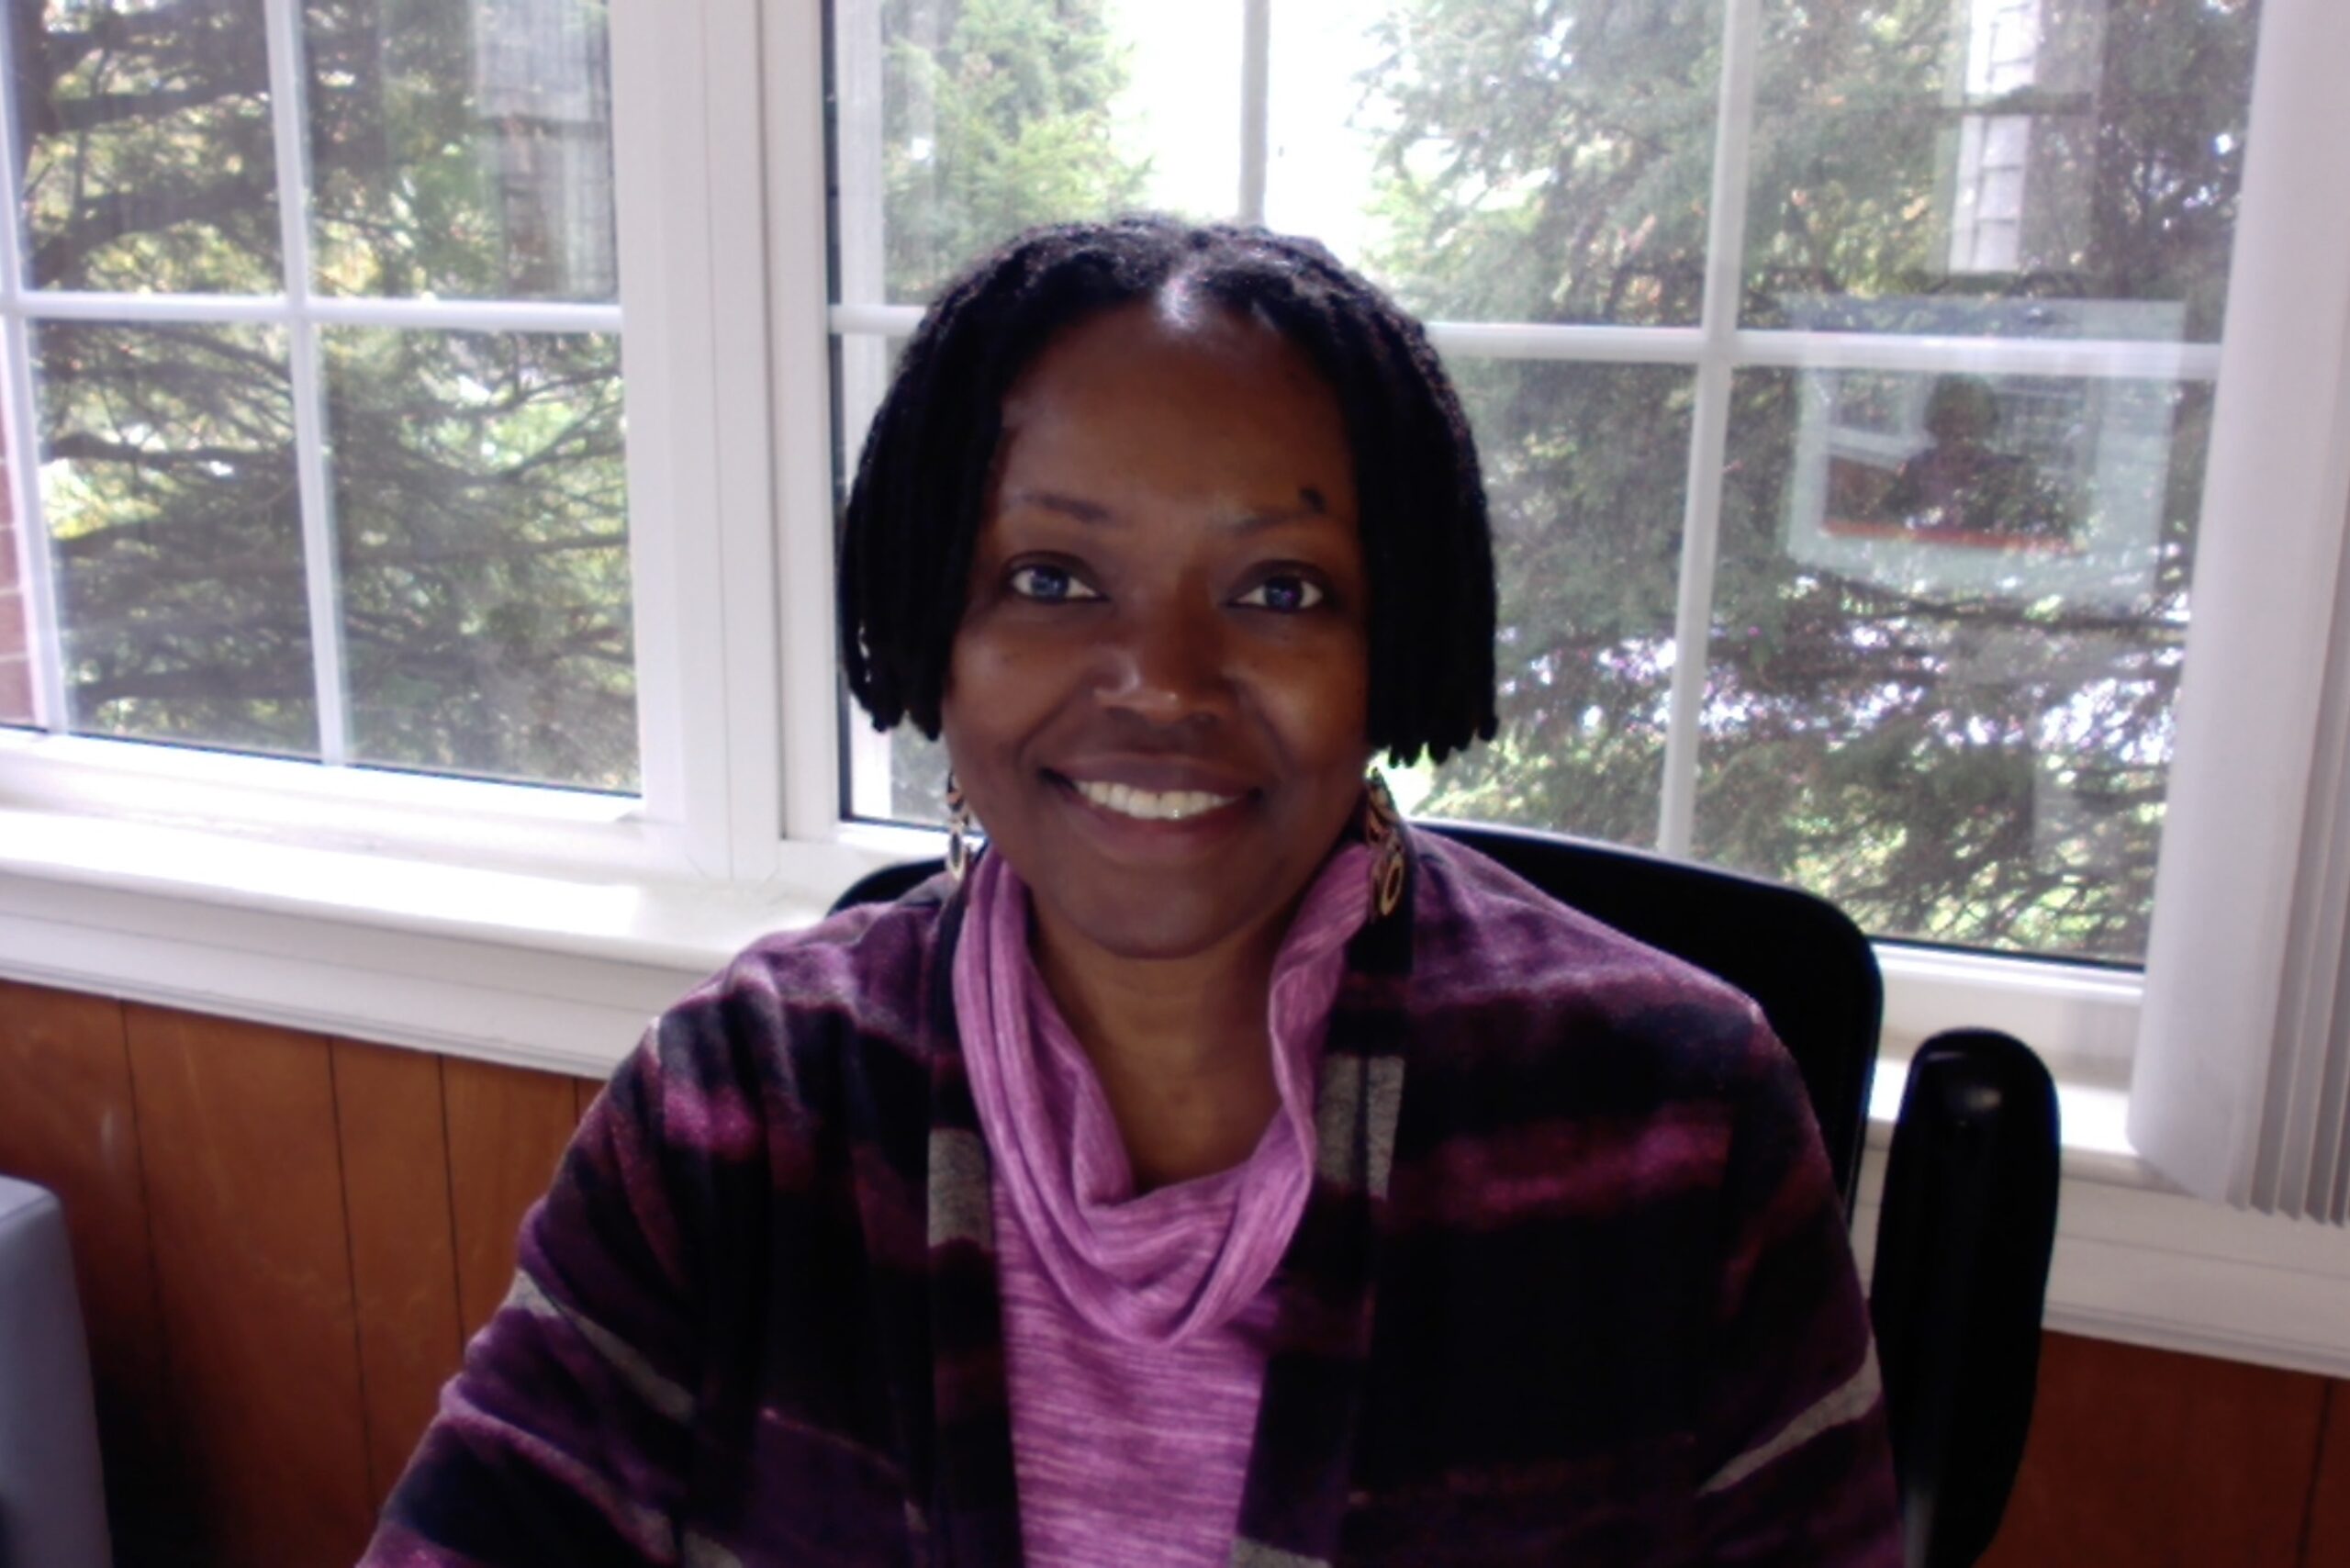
[
  {"x": 959, "y": 830},
  {"x": 1382, "y": 829}
]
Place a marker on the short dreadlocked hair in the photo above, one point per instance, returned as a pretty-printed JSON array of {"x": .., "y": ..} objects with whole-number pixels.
[{"x": 917, "y": 507}]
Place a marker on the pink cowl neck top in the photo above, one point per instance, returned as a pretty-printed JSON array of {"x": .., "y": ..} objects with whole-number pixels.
[{"x": 1135, "y": 1328}]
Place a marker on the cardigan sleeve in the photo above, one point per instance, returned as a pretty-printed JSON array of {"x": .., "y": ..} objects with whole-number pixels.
[
  {"x": 1794, "y": 1464},
  {"x": 564, "y": 1436}
]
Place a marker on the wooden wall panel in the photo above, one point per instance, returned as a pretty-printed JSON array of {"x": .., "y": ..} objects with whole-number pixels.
[
  {"x": 2146, "y": 1459},
  {"x": 237, "y": 1126},
  {"x": 585, "y": 1090},
  {"x": 507, "y": 1129},
  {"x": 329, "y": 1220},
  {"x": 2328, "y": 1541},
  {"x": 68, "y": 1121},
  {"x": 403, "y": 1246}
]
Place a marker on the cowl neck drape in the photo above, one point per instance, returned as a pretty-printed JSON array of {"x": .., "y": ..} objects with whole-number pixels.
[{"x": 1166, "y": 1265}]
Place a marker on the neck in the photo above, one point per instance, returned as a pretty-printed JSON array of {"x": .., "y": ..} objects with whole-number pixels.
[{"x": 1180, "y": 1045}]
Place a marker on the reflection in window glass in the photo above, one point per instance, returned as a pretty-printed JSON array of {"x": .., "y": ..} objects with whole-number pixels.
[
  {"x": 1584, "y": 469},
  {"x": 176, "y": 535},
  {"x": 462, "y": 148},
  {"x": 483, "y": 533},
  {"x": 1947, "y": 630},
  {"x": 149, "y": 163},
  {"x": 2057, "y": 149}
]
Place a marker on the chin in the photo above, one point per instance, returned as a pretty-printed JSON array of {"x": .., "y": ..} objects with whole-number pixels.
[{"x": 1160, "y": 919}]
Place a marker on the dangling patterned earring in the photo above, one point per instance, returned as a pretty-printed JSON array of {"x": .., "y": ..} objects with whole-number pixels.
[
  {"x": 958, "y": 830},
  {"x": 1382, "y": 829}
]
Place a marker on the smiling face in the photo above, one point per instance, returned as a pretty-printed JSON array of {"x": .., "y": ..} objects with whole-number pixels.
[{"x": 1157, "y": 696}]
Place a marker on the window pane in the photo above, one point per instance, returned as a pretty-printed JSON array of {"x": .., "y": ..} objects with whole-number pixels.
[
  {"x": 481, "y": 522},
  {"x": 1947, "y": 641},
  {"x": 2059, "y": 149},
  {"x": 897, "y": 776},
  {"x": 1585, "y": 469},
  {"x": 168, "y": 481},
  {"x": 462, "y": 148},
  {"x": 994, "y": 118},
  {"x": 16, "y": 620},
  {"x": 1535, "y": 163},
  {"x": 148, "y": 162}
]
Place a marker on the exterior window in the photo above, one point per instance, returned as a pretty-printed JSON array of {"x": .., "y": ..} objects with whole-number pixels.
[
  {"x": 313, "y": 329},
  {"x": 1843, "y": 373}
]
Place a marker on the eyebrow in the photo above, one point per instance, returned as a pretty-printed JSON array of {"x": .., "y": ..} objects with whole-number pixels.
[{"x": 1311, "y": 503}]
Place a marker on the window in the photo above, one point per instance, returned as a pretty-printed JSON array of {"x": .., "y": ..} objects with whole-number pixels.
[
  {"x": 1938, "y": 666},
  {"x": 1893, "y": 199},
  {"x": 313, "y": 326},
  {"x": 1843, "y": 373}
]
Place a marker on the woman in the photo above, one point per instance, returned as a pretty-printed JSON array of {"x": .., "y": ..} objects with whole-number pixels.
[{"x": 1216, "y": 1172}]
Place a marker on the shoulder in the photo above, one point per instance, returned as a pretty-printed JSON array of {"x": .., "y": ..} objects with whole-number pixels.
[
  {"x": 861, "y": 968},
  {"x": 1508, "y": 980},
  {"x": 793, "y": 1020}
]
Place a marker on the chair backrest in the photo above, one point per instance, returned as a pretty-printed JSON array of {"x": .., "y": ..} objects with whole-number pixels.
[{"x": 1808, "y": 966}]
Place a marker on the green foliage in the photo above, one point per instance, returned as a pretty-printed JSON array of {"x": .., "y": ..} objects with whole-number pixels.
[
  {"x": 1549, "y": 162},
  {"x": 149, "y": 163},
  {"x": 996, "y": 115},
  {"x": 460, "y": 149},
  {"x": 481, "y": 508},
  {"x": 177, "y": 535}
]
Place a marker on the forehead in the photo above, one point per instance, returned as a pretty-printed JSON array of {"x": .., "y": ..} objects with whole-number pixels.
[{"x": 1171, "y": 384}]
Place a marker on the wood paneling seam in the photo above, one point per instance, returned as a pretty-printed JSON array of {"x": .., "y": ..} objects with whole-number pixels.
[
  {"x": 170, "y": 1403},
  {"x": 351, "y": 1268},
  {"x": 2317, "y": 1474},
  {"x": 448, "y": 1182}
]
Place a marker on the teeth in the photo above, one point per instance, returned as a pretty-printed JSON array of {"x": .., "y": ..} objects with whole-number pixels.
[{"x": 1151, "y": 805}]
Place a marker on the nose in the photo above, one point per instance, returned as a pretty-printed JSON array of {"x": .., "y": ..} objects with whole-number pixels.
[{"x": 1164, "y": 661}]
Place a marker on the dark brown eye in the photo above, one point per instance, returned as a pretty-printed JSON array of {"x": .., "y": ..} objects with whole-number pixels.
[
  {"x": 1049, "y": 584},
  {"x": 1288, "y": 593}
]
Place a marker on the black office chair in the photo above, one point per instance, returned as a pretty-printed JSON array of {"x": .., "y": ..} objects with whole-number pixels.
[{"x": 1969, "y": 1208}]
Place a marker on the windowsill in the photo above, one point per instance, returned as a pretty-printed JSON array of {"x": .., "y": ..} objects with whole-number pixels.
[{"x": 562, "y": 972}]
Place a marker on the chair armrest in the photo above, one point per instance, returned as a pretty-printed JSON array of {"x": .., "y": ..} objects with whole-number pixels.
[{"x": 1963, "y": 1234}]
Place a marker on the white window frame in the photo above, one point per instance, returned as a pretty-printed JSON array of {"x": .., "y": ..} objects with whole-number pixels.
[
  {"x": 542, "y": 927},
  {"x": 695, "y": 430}
]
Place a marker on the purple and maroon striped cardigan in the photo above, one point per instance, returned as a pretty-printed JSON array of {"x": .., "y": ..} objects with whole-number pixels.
[{"x": 1572, "y": 1285}]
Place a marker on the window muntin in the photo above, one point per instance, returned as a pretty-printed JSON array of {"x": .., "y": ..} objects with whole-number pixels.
[
  {"x": 2031, "y": 202},
  {"x": 347, "y": 485}
]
